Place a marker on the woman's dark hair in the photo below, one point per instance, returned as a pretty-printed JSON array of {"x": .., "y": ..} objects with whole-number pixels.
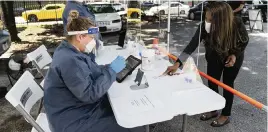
[
  {"x": 223, "y": 32},
  {"x": 78, "y": 23}
]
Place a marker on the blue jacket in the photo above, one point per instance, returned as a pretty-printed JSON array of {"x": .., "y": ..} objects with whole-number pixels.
[{"x": 75, "y": 91}]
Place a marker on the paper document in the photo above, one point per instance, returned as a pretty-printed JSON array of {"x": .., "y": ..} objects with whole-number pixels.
[
  {"x": 137, "y": 104},
  {"x": 142, "y": 102}
]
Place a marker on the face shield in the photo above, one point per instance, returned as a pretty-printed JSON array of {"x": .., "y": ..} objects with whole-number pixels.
[
  {"x": 92, "y": 31},
  {"x": 89, "y": 45}
]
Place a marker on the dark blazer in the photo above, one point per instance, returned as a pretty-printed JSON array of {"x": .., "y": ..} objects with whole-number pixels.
[{"x": 242, "y": 42}]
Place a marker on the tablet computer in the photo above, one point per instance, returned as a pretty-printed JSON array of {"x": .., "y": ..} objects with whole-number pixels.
[{"x": 131, "y": 64}]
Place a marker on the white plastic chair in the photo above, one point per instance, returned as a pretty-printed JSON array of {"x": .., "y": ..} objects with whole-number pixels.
[
  {"x": 23, "y": 95},
  {"x": 40, "y": 58}
]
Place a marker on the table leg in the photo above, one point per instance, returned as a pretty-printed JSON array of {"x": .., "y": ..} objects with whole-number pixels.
[
  {"x": 184, "y": 123},
  {"x": 147, "y": 127},
  {"x": 10, "y": 80}
]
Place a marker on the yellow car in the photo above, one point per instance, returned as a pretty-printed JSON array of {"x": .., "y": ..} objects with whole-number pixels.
[
  {"x": 48, "y": 12},
  {"x": 134, "y": 15}
]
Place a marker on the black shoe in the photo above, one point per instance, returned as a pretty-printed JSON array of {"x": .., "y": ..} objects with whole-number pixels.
[
  {"x": 218, "y": 124},
  {"x": 208, "y": 116},
  {"x": 3, "y": 92}
]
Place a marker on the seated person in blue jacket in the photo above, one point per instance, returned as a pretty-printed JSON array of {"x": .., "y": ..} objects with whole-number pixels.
[
  {"x": 83, "y": 10},
  {"x": 75, "y": 86}
]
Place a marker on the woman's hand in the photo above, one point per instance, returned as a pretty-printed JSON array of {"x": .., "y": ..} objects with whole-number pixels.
[
  {"x": 230, "y": 61},
  {"x": 172, "y": 69}
]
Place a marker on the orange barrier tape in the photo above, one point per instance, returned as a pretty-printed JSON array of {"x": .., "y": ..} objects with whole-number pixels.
[
  {"x": 228, "y": 88},
  {"x": 224, "y": 86}
]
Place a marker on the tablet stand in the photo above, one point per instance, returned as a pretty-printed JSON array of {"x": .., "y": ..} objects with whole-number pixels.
[{"x": 139, "y": 77}]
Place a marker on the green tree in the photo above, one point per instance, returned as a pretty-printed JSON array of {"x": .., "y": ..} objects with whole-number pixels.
[{"x": 9, "y": 19}]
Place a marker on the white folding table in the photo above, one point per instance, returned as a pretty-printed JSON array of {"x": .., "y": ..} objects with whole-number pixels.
[{"x": 168, "y": 96}]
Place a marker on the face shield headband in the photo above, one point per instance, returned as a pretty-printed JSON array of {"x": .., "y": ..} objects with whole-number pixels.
[{"x": 93, "y": 31}]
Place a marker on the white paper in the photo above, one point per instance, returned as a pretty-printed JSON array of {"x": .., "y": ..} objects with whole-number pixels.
[{"x": 137, "y": 103}]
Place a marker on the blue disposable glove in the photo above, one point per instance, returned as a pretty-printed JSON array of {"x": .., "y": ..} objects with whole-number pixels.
[{"x": 118, "y": 64}]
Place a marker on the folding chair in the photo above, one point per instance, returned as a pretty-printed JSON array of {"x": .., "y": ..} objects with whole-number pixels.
[
  {"x": 255, "y": 20},
  {"x": 23, "y": 95},
  {"x": 40, "y": 59}
]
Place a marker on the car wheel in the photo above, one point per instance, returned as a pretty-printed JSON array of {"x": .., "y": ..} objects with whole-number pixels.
[
  {"x": 151, "y": 19},
  {"x": 182, "y": 12},
  {"x": 134, "y": 15},
  {"x": 32, "y": 18},
  {"x": 191, "y": 16},
  {"x": 162, "y": 12}
]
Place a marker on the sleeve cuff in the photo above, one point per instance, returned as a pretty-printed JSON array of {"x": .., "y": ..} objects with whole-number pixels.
[{"x": 178, "y": 60}]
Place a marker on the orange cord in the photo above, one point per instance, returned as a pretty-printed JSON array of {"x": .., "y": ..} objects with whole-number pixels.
[{"x": 224, "y": 86}]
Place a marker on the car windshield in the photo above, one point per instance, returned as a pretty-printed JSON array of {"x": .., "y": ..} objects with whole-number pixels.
[
  {"x": 200, "y": 4},
  {"x": 117, "y": 6},
  {"x": 165, "y": 4},
  {"x": 134, "y": 4},
  {"x": 102, "y": 8}
]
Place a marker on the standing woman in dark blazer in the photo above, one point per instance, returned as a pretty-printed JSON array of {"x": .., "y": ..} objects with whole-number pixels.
[{"x": 225, "y": 39}]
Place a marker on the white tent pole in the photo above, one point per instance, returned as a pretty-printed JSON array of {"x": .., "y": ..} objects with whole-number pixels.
[
  {"x": 159, "y": 20},
  {"x": 168, "y": 26},
  {"x": 198, "y": 48}
]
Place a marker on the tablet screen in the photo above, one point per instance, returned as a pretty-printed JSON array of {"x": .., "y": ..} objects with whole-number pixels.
[{"x": 131, "y": 62}]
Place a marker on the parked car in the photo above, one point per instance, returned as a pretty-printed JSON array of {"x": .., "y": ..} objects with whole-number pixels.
[
  {"x": 195, "y": 12},
  {"x": 134, "y": 12},
  {"x": 48, "y": 12},
  {"x": 108, "y": 20},
  {"x": 18, "y": 11},
  {"x": 175, "y": 9},
  {"x": 120, "y": 9},
  {"x": 5, "y": 41},
  {"x": 147, "y": 6}
]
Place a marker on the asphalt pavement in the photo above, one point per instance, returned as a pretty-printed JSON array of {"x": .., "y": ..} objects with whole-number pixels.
[{"x": 250, "y": 81}]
